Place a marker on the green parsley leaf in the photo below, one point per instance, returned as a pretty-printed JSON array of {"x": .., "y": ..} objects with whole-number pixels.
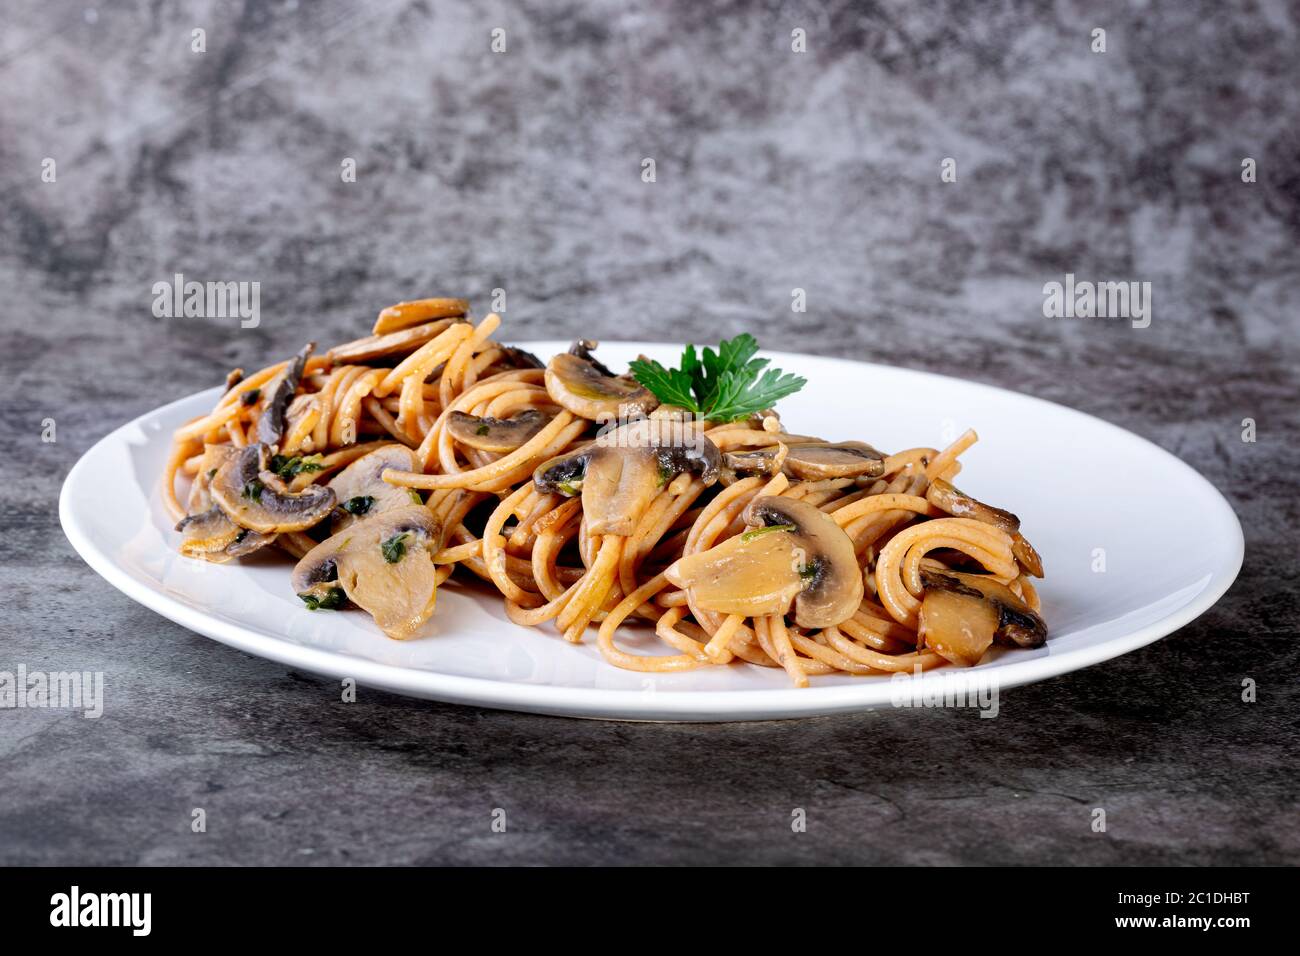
[
  {"x": 723, "y": 385},
  {"x": 359, "y": 504},
  {"x": 753, "y": 533},
  {"x": 332, "y": 600},
  {"x": 741, "y": 394},
  {"x": 671, "y": 386},
  {"x": 253, "y": 490},
  {"x": 288, "y": 467},
  {"x": 394, "y": 548}
]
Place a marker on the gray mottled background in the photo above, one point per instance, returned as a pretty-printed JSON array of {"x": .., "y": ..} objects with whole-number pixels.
[{"x": 775, "y": 171}]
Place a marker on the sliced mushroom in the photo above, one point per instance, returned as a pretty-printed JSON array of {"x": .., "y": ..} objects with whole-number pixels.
[
  {"x": 496, "y": 434},
  {"x": 519, "y": 358},
  {"x": 256, "y": 499},
  {"x": 361, "y": 491},
  {"x": 793, "y": 553},
  {"x": 587, "y": 388},
  {"x": 384, "y": 565},
  {"x": 378, "y": 346},
  {"x": 207, "y": 535},
  {"x": 206, "y": 532},
  {"x": 406, "y": 314},
  {"x": 279, "y": 392},
  {"x": 945, "y": 496},
  {"x": 1024, "y": 552},
  {"x": 621, "y": 471},
  {"x": 849, "y": 459},
  {"x": 813, "y": 461},
  {"x": 962, "y": 615}
]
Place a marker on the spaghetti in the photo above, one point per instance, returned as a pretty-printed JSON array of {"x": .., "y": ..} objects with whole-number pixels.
[{"x": 586, "y": 499}]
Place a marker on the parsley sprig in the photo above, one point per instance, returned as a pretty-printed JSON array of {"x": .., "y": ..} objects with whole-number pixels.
[{"x": 722, "y": 386}]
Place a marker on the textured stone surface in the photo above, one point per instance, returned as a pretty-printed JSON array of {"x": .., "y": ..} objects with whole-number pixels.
[{"x": 775, "y": 171}]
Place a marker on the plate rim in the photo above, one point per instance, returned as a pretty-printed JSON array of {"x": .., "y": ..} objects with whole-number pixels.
[{"x": 613, "y": 703}]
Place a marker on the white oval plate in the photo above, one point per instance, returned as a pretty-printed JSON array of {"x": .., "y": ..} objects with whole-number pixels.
[{"x": 1086, "y": 492}]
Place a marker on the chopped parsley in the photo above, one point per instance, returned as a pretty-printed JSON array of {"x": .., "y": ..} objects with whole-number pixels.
[
  {"x": 332, "y": 600},
  {"x": 359, "y": 504},
  {"x": 394, "y": 548},
  {"x": 753, "y": 533},
  {"x": 482, "y": 430},
  {"x": 253, "y": 490},
  {"x": 289, "y": 467}
]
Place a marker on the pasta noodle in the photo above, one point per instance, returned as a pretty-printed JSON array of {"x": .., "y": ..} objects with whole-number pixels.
[{"x": 427, "y": 452}]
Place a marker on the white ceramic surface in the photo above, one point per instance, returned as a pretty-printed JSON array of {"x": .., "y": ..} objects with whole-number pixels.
[{"x": 1172, "y": 546}]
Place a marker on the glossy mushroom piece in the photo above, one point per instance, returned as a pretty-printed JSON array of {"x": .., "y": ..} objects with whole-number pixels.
[
  {"x": 383, "y": 564},
  {"x": 963, "y": 615},
  {"x": 792, "y": 554},
  {"x": 360, "y": 489},
  {"x": 946, "y": 497},
  {"x": 206, "y": 532},
  {"x": 258, "y": 500},
  {"x": 582, "y": 385},
  {"x": 812, "y": 461},
  {"x": 279, "y": 393},
  {"x": 621, "y": 471},
  {"x": 496, "y": 434}
]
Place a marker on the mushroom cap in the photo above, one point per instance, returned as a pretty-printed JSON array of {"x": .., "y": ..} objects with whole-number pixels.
[
  {"x": 947, "y": 497},
  {"x": 383, "y": 564},
  {"x": 1015, "y": 622},
  {"x": 280, "y": 392},
  {"x": 792, "y": 554},
  {"x": 363, "y": 479},
  {"x": 496, "y": 434},
  {"x": 211, "y": 536},
  {"x": 252, "y": 497},
  {"x": 585, "y": 387},
  {"x": 621, "y": 471},
  {"x": 392, "y": 343},
  {"x": 403, "y": 315},
  {"x": 847, "y": 459},
  {"x": 809, "y": 461}
]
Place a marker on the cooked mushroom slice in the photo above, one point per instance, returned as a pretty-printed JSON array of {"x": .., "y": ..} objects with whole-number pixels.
[
  {"x": 963, "y": 614},
  {"x": 957, "y": 503},
  {"x": 792, "y": 553},
  {"x": 214, "y": 456},
  {"x": 406, "y": 314},
  {"x": 1024, "y": 552},
  {"x": 496, "y": 434},
  {"x": 384, "y": 565},
  {"x": 621, "y": 471},
  {"x": 377, "y": 346},
  {"x": 211, "y": 536},
  {"x": 811, "y": 461},
  {"x": 361, "y": 491},
  {"x": 747, "y": 464},
  {"x": 519, "y": 358},
  {"x": 207, "y": 535},
  {"x": 849, "y": 459},
  {"x": 582, "y": 385},
  {"x": 254, "y": 498},
  {"x": 279, "y": 392}
]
